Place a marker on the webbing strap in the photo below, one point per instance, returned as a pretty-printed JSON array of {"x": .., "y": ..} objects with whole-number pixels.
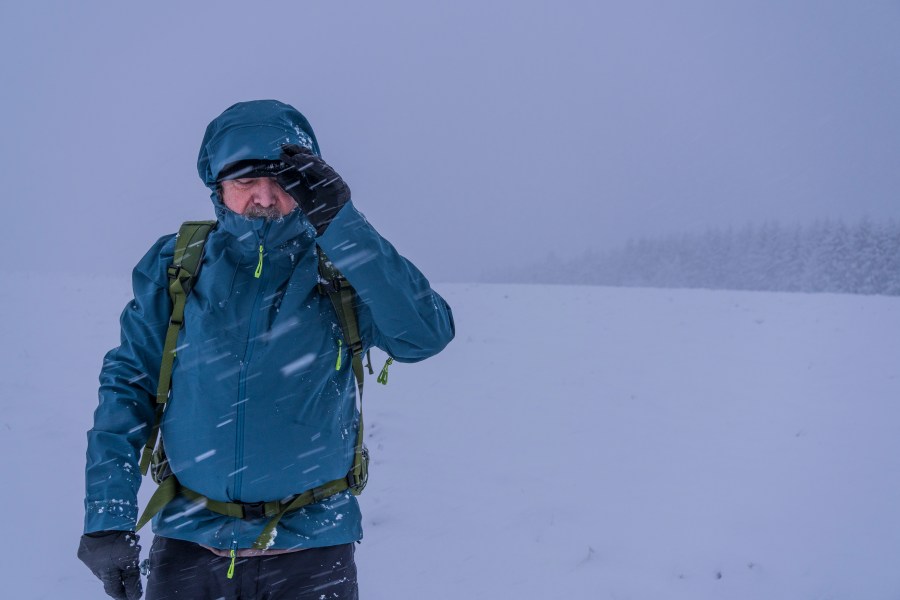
[
  {"x": 275, "y": 509},
  {"x": 165, "y": 493},
  {"x": 356, "y": 471},
  {"x": 308, "y": 497},
  {"x": 342, "y": 297},
  {"x": 185, "y": 265}
]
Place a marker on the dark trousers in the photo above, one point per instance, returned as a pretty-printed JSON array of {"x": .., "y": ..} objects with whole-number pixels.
[{"x": 184, "y": 570}]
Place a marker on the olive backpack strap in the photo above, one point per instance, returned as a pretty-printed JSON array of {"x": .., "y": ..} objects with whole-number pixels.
[
  {"x": 343, "y": 299},
  {"x": 184, "y": 269}
]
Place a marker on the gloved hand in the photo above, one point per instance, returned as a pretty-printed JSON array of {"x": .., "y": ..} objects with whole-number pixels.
[
  {"x": 316, "y": 187},
  {"x": 113, "y": 557}
]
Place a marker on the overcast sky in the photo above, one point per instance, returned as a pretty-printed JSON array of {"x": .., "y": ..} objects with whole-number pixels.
[{"x": 474, "y": 134}]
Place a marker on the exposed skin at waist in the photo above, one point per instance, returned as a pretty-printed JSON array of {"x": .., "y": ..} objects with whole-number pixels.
[{"x": 250, "y": 552}]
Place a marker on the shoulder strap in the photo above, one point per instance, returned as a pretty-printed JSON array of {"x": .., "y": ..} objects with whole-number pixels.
[
  {"x": 343, "y": 298},
  {"x": 182, "y": 272}
]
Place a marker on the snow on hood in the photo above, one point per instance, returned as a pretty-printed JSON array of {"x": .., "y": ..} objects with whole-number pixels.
[{"x": 251, "y": 130}]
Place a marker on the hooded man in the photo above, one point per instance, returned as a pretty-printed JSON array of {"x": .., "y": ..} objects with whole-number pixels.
[{"x": 261, "y": 426}]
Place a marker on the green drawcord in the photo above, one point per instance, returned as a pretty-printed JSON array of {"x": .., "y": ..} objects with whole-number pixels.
[
  {"x": 259, "y": 264},
  {"x": 382, "y": 377},
  {"x": 337, "y": 367},
  {"x": 231, "y": 566}
]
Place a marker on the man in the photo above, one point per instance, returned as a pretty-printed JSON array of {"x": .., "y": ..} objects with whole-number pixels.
[{"x": 261, "y": 406}]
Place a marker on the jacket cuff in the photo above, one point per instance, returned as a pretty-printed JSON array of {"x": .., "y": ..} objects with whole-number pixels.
[{"x": 105, "y": 515}]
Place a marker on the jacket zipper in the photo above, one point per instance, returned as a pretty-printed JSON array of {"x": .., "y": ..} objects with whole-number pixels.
[{"x": 242, "y": 381}]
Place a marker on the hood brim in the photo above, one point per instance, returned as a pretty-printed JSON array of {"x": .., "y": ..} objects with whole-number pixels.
[{"x": 251, "y": 131}]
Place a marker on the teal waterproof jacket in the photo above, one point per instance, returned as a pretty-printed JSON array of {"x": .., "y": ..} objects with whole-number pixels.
[{"x": 262, "y": 401}]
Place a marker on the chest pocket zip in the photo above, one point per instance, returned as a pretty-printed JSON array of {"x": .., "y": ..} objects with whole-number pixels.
[{"x": 259, "y": 265}]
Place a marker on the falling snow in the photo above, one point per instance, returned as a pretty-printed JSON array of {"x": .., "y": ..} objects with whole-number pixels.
[{"x": 301, "y": 363}]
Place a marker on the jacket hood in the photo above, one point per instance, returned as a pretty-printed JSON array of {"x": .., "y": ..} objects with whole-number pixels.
[{"x": 252, "y": 130}]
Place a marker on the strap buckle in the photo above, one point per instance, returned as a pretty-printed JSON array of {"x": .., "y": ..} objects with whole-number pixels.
[
  {"x": 355, "y": 349},
  {"x": 254, "y": 510},
  {"x": 357, "y": 480},
  {"x": 329, "y": 286}
]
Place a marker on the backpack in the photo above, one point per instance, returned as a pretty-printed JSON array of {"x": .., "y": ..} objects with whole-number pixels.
[{"x": 182, "y": 274}]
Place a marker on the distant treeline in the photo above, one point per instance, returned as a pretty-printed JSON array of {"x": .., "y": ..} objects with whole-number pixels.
[{"x": 826, "y": 256}]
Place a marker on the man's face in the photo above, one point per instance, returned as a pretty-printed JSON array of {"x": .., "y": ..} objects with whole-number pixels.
[{"x": 257, "y": 197}]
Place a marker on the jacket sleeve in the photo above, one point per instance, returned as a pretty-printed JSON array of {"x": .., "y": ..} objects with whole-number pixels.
[
  {"x": 126, "y": 409},
  {"x": 409, "y": 320}
]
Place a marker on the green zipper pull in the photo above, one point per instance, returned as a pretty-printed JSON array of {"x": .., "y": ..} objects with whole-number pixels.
[
  {"x": 259, "y": 264},
  {"x": 382, "y": 377},
  {"x": 231, "y": 566},
  {"x": 337, "y": 367}
]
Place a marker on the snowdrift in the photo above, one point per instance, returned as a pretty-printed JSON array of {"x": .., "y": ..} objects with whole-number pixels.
[{"x": 572, "y": 442}]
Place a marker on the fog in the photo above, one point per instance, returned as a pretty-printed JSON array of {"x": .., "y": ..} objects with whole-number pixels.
[{"x": 475, "y": 135}]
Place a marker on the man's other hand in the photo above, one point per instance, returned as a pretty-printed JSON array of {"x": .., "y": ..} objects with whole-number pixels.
[{"x": 113, "y": 556}]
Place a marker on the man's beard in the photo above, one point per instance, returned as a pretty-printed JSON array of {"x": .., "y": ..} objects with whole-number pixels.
[{"x": 269, "y": 213}]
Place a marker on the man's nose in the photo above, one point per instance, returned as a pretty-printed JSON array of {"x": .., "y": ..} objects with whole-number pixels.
[{"x": 265, "y": 192}]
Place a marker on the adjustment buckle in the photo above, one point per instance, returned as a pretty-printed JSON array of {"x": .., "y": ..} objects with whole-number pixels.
[
  {"x": 254, "y": 510},
  {"x": 329, "y": 286},
  {"x": 358, "y": 483}
]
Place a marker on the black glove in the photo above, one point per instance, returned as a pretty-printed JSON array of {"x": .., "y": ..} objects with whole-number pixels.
[
  {"x": 113, "y": 557},
  {"x": 316, "y": 187}
]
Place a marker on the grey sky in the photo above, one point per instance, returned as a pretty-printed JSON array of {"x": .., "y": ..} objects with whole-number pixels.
[{"x": 473, "y": 134}]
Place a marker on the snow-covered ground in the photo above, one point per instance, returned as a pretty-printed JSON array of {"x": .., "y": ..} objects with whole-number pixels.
[{"x": 572, "y": 442}]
